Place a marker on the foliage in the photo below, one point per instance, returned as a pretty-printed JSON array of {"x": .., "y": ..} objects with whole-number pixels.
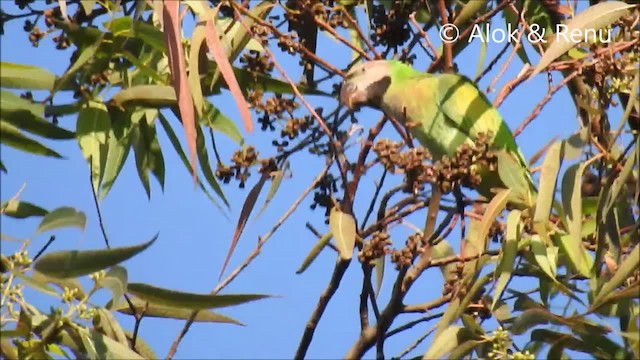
[{"x": 130, "y": 69}]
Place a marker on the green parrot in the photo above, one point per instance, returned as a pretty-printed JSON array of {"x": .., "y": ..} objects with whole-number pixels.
[{"x": 442, "y": 111}]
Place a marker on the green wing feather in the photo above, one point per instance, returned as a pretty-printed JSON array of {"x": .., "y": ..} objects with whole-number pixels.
[{"x": 445, "y": 111}]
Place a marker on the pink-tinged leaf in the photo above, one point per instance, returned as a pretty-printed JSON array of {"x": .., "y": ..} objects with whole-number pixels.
[
  {"x": 171, "y": 21},
  {"x": 219, "y": 55},
  {"x": 248, "y": 206}
]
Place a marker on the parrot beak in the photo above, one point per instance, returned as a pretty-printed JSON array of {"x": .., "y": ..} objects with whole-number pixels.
[{"x": 351, "y": 96}]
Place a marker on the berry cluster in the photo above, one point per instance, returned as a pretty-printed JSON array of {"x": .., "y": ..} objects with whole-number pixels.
[
  {"x": 447, "y": 172},
  {"x": 375, "y": 248}
]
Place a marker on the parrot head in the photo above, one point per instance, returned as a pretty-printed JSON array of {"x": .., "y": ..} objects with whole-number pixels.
[{"x": 366, "y": 84}]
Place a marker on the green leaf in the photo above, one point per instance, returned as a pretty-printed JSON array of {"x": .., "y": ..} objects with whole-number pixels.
[
  {"x": 146, "y": 148},
  {"x": 99, "y": 346},
  {"x": 69, "y": 283},
  {"x": 379, "y": 266},
  {"x": 18, "y": 76},
  {"x": 542, "y": 258},
  {"x": 107, "y": 324},
  {"x": 343, "y": 228},
  {"x": 86, "y": 54},
  {"x": 548, "y": 177},
  {"x": 220, "y": 122},
  {"x": 628, "y": 266},
  {"x": 276, "y": 180},
  {"x": 237, "y": 38},
  {"x": 92, "y": 130},
  {"x": 117, "y": 153},
  {"x": 169, "y": 312},
  {"x": 508, "y": 254},
  {"x": 478, "y": 240},
  {"x": 447, "y": 341},
  {"x": 193, "y": 78},
  {"x": 27, "y": 121},
  {"x": 595, "y": 17},
  {"x": 13, "y": 137},
  {"x": 66, "y": 264},
  {"x": 578, "y": 256},
  {"x": 315, "y": 251},
  {"x": 205, "y": 165},
  {"x": 511, "y": 22},
  {"x": 36, "y": 284},
  {"x": 514, "y": 176},
  {"x": 9, "y": 101},
  {"x": 265, "y": 82},
  {"x": 62, "y": 217},
  {"x": 87, "y": 6},
  {"x": 21, "y": 209},
  {"x": 115, "y": 280},
  {"x": 529, "y": 319},
  {"x": 176, "y": 145},
  {"x": 186, "y": 300},
  {"x": 149, "y": 96},
  {"x": 572, "y": 201}
]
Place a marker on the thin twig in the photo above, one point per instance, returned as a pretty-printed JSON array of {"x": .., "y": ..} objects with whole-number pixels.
[
  {"x": 325, "y": 297},
  {"x": 413, "y": 323},
  {"x": 44, "y": 248},
  {"x": 543, "y": 102},
  {"x": 448, "y": 46},
  {"x": 256, "y": 251},
  {"x": 363, "y": 37},
  {"x": 425, "y": 36}
]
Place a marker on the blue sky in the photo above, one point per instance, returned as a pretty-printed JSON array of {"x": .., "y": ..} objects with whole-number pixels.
[{"x": 194, "y": 235}]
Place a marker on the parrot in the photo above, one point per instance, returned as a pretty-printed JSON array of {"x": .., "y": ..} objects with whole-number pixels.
[{"x": 442, "y": 111}]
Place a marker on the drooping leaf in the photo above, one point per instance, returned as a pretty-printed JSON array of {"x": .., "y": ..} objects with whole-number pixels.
[
  {"x": 594, "y": 18},
  {"x": 115, "y": 280},
  {"x": 496, "y": 205},
  {"x": 247, "y": 208},
  {"x": 205, "y": 165},
  {"x": 92, "y": 130},
  {"x": 628, "y": 266},
  {"x": 276, "y": 180},
  {"x": 36, "y": 284},
  {"x": 19, "y": 76},
  {"x": 315, "y": 251},
  {"x": 149, "y": 96},
  {"x": 107, "y": 324},
  {"x": 217, "y": 51},
  {"x": 99, "y": 346},
  {"x": 62, "y": 217},
  {"x": 186, "y": 300},
  {"x": 66, "y": 264},
  {"x": 379, "y": 266},
  {"x": 197, "y": 39},
  {"x": 511, "y": 19},
  {"x": 216, "y": 120},
  {"x": 13, "y": 137},
  {"x": 61, "y": 283},
  {"x": 176, "y": 145},
  {"x": 117, "y": 153},
  {"x": 508, "y": 254},
  {"x": 86, "y": 54},
  {"x": 21, "y": 209},
  {"x": 572, "y": 201},
  {"x": 343, "y": 228},
  {"x": 169, "y": 312},
  {"x": 548, "y": 177},
  {"x": 447, "y": 341},
  {"x": 513, "y": 176},
  {"x": 173, "y": 40},
  {"x": 36, "y": 125},
  {"x": 542, "y": 258}
]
